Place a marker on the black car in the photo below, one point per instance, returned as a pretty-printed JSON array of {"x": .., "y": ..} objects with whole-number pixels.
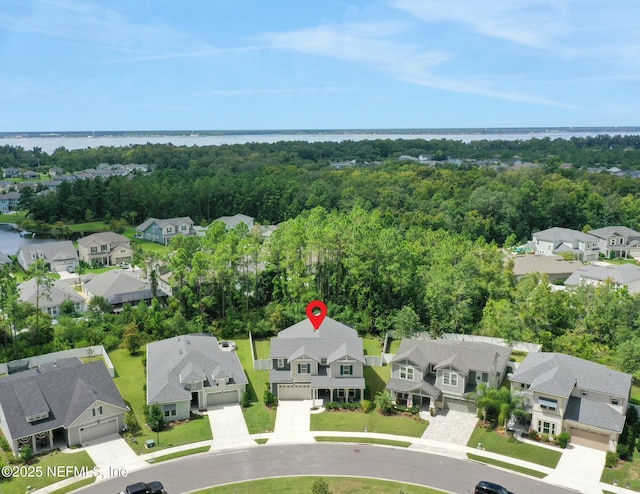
[
  {"x": 485, "y": 487},
  {"x": 145, "y": 488}
]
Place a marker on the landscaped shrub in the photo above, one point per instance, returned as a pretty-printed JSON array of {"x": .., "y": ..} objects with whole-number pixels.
[
  {"x": 563, "y": 439},
  {"x": 632, "y": 416},
  {"x": 622, "y": 451},
  {"x": 611, "y": 460},
  {"x": 269, "y": 399},
  {"x": 366, "y": 406},
  {"x": 4, "y": 444},
  {"x": 246, "y": 400},
  {"x": 26, "y": 454},
  {"x": 332, "y": 405},
  {"x": 319, "y": 486}
]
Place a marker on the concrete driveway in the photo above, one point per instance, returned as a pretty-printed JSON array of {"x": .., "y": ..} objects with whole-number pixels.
[
  {"x": 228, "y": 427},
  {"x": 451, "y": 427},
  {"x": 579, "y": 468},
  {"x": 112, "y": 454},
  {"x": 293, "y": 422}
]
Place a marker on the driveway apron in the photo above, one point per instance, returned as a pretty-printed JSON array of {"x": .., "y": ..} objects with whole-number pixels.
[
  {"x": 579, "y": 468},
  {"x": 293, "y": 422},
  {"x": 228, "y": 427},
  {"x": 112, "y": 454}
]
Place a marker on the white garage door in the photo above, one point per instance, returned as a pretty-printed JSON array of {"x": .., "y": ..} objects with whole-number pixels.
[
  {"x": 294, "y": 392},
  {"x": 90, "y": 432},
  {"x": 460, "y": 405},
  {"x": 592, "y": 439},
  {"x": 222, "y": 398}
]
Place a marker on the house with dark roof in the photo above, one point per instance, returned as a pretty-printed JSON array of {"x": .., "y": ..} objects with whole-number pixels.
[
  {"x": 120, "y": 287},
  {"x": 617, "y": 241},
  {"x": 441, "y": 374},
  {"x": 192, "y": 371},
  {"x": 556, "y": 240},
  {"x": 57, "y": 256},
  {"x": 12, "y": 172},
  {"x": 162, "y": 231},
  {"x": 9, "y": 201},
  {"x": 619, "y": 275},
  {"x": 326, "y": 363},
  {"x": 60, "y": 403},
  {"x": 105, "y": 248},
  {"x": 50, "y": 299},
  {"x": 563, "y": 393}
]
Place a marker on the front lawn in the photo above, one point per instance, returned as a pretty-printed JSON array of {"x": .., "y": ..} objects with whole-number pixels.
[
  {"x": 357, "y": 421},
  {"x": 148, "y": 246},
  {"x": 376, "y": 378},
  {"x": 129, "y": 380},
  {"x": 627, "y": 472},
  {"x": 506, "y": 444},
  {"x": 363, "y": 440}
]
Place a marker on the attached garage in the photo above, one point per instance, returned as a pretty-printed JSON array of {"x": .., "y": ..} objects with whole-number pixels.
[
  {"x": 459, "y": 405},
  {"x": 225, "y": 398},
  {"x": 95, "y": 431},
  {"x": 592, "y": 439},
  {"x": 294, "y": 392}
]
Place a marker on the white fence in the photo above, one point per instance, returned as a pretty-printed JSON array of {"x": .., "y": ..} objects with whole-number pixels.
[
  {"x": 264, "y": 364},
  {"x": 520, "y": 346},
  {"x": 86, "y": 352}
]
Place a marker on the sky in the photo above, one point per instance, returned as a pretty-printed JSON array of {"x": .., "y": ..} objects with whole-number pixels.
[{"x": 317, "y": 64}]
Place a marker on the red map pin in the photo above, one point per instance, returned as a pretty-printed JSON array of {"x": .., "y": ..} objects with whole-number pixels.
[{"x": 316, "y": 312}]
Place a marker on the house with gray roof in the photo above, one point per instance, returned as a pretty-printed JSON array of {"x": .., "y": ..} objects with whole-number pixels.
[
  {"x": 441, "y": 374},
  {"x": 325, "y": 363},
  {"x": 556, "y": 240},
  {"x": 105, "y": 248},
  {"x": 57, "y": 256},
  {"x": 162, "y": 231},
  {"x": 563, "y": 393},
  {"x": 620, "y": 275},
  {"x": 120, "y": 287},
  {"x": 192, "y": 371},
  {"x": 50, "y": 299},
  {"x": 5, "y": 259},
  {"x": 617, "y": 241},
  {"x": 9, "y": 201},
  {"x": 230, "y": 222},
  {"x": 555, "y": 267},
  {"x": 64, "y": 402}
]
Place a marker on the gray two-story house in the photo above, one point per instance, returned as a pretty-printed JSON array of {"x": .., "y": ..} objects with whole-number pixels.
[
  {"x": 105, "y": 248},
  {"x": 441, "y": 374},
  {"x": 162, "y": 231},
  {"x": 326, "y": 363},
  {"x": 617, "y": 241},
  {"x": 556, "y": 240}
]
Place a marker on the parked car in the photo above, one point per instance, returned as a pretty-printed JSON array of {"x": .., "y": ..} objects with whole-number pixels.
[
  {"x": 71, "y": 269},
  {"x": 154, "y": 487},
  {"x": 485, "y": 487},
  {"x": 125, "y": 265}
]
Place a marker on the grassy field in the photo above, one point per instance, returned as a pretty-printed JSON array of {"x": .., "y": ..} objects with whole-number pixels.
[
  {"x": 129, "y": 380},
  {"x": 262, "y": 348},
  {"x": 508, "y": 446},
  {"x": 54, "y": 460},
  {"x": 372, "y": 345},
  {"x": 259, "y": 418},
  {"x": 508, "y": 466},
  {"x": 357, "y": 421},
  {"x": 180, "y": 454},
  {"x": 363, "y": 440},
  {"x": 337, "y": 485},
  {"x": 148, "y": 246},
  {"x": 75, "y": 486},
  {"x": 376, "y": 379},
  {"x": 627, "y": 472},
  {"x": 395, "y": 344}
]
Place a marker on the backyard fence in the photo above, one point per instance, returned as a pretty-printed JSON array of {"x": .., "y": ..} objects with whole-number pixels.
[
  {"x": 38, "y": 360},
  {"x": 262, "y": 364}
]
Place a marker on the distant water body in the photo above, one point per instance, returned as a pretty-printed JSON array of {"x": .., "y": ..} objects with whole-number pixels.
[{"x": 48, "y": 143}]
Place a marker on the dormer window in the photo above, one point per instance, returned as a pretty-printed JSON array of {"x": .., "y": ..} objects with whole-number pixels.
[
  {"x": 323, "y": 361},
  {"x": 406, "y": 373},
  {"x": 280, "y": 363},
  {"x": 37, "y": 416}
]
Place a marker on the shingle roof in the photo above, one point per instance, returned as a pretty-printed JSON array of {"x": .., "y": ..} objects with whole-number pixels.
[
  {"x": 119, "y": 287},
  {"x": 610, "y": 231},
  {"x": 535, "y": 369},
  {"x": 462, "y": 355},
  {"x": 404, "y": 386},
  {"x": 67, "y": 388},
  {"x": 594, "y": 413},
  {"x": 164, "y": 222},
  {"x": 5, "y": 259},
  {"x": 558, "y": 234},
  {"x": 233, "y": 221},
  {"x": 52, "y": 251},
  {"x": 102, "y": 237},
  {"x": 623, "y": 274},
  {"x": 58, "y": 293},
  {"x": 187, "y": 358}
]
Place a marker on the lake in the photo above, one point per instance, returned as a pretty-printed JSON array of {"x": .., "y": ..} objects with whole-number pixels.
[
  {"x": 49, "y": 143},
  {"x": 11, "y": 241}
]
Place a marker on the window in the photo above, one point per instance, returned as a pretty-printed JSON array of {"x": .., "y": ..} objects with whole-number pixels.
[
  {"x": 280, "y": 363},
  {"x": 485, "y": 377},
  {"x": 613, "y": 241},
  {"x": 96, "y": 411},
  {"x": 346, "y": 370},
  {"x": 103, "y": 247},
  {"x": 304, "y": 368},
  {"x": 546, "y": 427},
  {"x": 183, "y": 228},
  {"x": 352, "y": 393},
  {"x": 406, "y": 373},
  {"x": 94, "y": 250},
  {"x": 450, "y": 378},
  {"x": 323, "y": 361},
  {"x": 170, "y": 411},
  {"x": 615, "y": 401},
  {"x": 548, "y": 403}
]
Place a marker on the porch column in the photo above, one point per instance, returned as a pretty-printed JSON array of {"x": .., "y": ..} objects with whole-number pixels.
[
  {"x": 51, "y": 439},
  {"x": 33, "y": 443}
]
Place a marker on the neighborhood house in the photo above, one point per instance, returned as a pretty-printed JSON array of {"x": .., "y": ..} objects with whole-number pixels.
[
  {"x": 57, "y": 256},
  {"x": 162, "y": 231},
  {"x": 556, "y": 240},
  {"x": 120, "y": 287},
  {"x": 50, "y": 299},
  {"x": 106, "y": 249}
]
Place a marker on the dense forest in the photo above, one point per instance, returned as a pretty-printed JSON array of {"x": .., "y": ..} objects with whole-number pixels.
[{"x": 396, "y": 245}]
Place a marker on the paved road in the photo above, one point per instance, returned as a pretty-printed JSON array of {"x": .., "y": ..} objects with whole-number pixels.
[{"x": 197, "y": 472}]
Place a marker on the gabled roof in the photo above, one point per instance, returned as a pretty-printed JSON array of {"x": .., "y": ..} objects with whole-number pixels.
[
  {"x": 558, "y": 234},
  {"x": 332, "y": 341},
  {"x": 66, "y": 387},
  {"x": 164, "y": 222},
  {"x": 51, "y": 251},
  {"x": 461, "y": 355},
  {"x": 612, "y": 231},
  {"x": 103, "y": 238},
  {"x": 233, "y": 221},
  {"x": 188, "y": 358},
  {"x": 119, "y": 286},
  {"x": 59, "y": 292},
  {"x": 623, "y": 274},
  {"x": 533, "y": 263},
  {"x": 540, "y": 369},
  {"x": 594, "y": 413}
]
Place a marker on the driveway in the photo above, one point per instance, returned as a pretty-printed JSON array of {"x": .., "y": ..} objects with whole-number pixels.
[
  {"x": 293, "y": 422},
  {"x": 449, "y": 426},
  {"x": 112, "y": 453},
  {"x": 228, "y": 427},
  {"x": 580, "y": 468}
]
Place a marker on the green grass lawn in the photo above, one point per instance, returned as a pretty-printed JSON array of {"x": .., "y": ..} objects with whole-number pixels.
[
  {"x": 54, "y": 460},
  {"x": 363, "y": 440},
  {"x": 372, "y": 345},
  {"x": 180, "y": 454},
  {"x": 148, "y": 246},
  {"x": 262, "y": 348},
  {"x": 259, "y": 418},
  {"x": 518, "y": 356},
  {"x": 508, "y": 466},
  {"x": 395, "y": 344},
  {"x": 627, "y": 472},
  {"x": 509, "y": 446},
  {"x": 337, "y": 485},
  {"x": 129, "y": 380},
  {"x": 635, "y": 394},
  {"x": 356, "y": 421},
  {"x": 376, "y": 379}
]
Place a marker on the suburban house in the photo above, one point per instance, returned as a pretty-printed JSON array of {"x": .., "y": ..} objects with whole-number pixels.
[
  {"x": 12, "y": 172},
  {"x": 106, "y": 248},
  {"x": 556, "y": 240},
  {"x": 568, "y": 394},
  {"x": 59, "y": 403},
  {"x": 9, "y": 201},
  {"x": 56, "y": 171},
  {"x": 162, "y": 231},
  {"x": 230, "y": 222},
  {"x": 192, "y": 371},
  {"x": 57, "y": 256},
  {"x": 51, "y": 299},
  {"x": 555, "y": 267},
  {"x": 617, "y": 241},
  {"x": 326, "y": 363},
  {"x": 5, "y": 259},
  {"x": 620, "y": 275},
  {"x": 30, "y": 175},
  {"x": 120, "y": 287},
  {"x": 441, "y": 373}
]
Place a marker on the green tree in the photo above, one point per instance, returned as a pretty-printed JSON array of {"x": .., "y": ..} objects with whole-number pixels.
[
  {"x": 132, "y": 338},
  {"x": 38, "y": 272},
  {"x": 406, "y": 323},
  {"x": 154, "y": 416}
]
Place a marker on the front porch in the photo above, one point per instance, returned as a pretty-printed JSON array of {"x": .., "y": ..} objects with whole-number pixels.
[{"x": 42, "y": 442}]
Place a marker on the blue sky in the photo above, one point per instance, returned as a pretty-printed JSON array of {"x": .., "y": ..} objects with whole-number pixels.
[{"x": 317, "y": 64}]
